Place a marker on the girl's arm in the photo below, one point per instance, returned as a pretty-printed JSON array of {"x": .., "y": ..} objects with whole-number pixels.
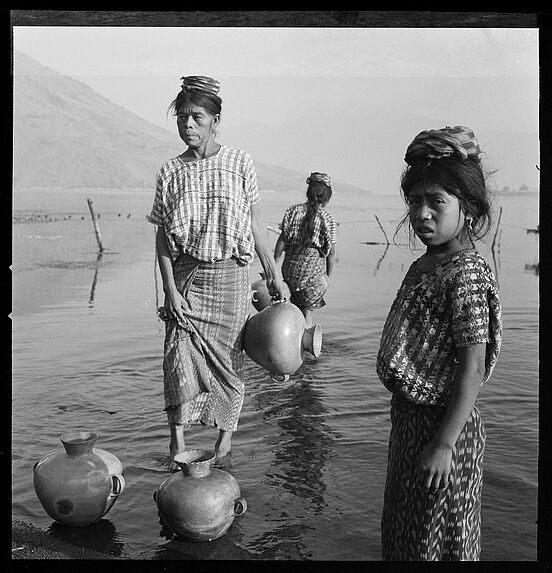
[
  {"x": 279, "y": 248},
  {"x": 274, "y": 282},
  {"x": 435, "y": 460},
  {"x": 173, "y": 298},
  {"x": 330, "y": 261}
]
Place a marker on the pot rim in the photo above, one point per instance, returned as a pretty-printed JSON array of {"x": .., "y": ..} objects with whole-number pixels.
[
  {"x": 78, "y": 437},
  {"x": 189, "y": 457}
]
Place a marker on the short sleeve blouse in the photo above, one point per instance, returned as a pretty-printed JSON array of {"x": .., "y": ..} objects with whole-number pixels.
[
  {"x": 452, "y": 305},
  {"x": 205, "y": 205},
  {"x": 324, "y": 228}
]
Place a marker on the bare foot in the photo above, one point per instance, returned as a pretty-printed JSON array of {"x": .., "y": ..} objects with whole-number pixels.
[
  {"x": 177, "y": 445},
  {"x": 172, "y": 465},
  {"x": 224, "y": 443},
  {"x": 223, "y": 462}
]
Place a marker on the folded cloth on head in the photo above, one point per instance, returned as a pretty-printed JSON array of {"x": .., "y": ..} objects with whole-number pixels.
[
  {"x": 200, "y": 83},
  {"x": 317, "y": 176},
  {"x": 457, "y": 141}
]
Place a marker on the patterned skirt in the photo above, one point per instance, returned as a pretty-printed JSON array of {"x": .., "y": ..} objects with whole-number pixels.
[
  {"x": 420, "y": 526},
  {"x": 203, "y": 361},
  {"x": 305, "y": 274}
]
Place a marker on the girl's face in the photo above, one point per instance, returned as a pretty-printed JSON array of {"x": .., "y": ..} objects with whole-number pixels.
[
  {"x": 435, "y": 216},
  {"x": 195, "y": 124}
]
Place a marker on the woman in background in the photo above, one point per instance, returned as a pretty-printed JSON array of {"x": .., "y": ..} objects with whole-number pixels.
[{"x": 308, "y": 239}]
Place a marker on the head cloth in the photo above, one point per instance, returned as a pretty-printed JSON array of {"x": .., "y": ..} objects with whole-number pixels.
[
  {"x": 316, "y": 176},
  {"x": 457, "y": 141},
  {"x": 200, "y": 84}
]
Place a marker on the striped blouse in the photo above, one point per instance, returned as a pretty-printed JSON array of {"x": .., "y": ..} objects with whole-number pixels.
[
  {"x": 451, "y": 305},
  {"x": 324, "y": 228},
  {"x": 205, "y": 205}
]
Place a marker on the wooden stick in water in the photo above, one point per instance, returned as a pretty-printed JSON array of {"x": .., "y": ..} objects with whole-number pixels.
[
  {"x": 497, "y": 228},
  {"x": 382, "y": 229},
  {"x": 96, "y": 225}
]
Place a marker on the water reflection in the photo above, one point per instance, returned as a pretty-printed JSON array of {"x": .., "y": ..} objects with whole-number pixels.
[
  {"x": 381, "y": 259},
  {"x": 101, "y": 536},
  {"x": 95, "y": 280},
  {"x": 300, "y": 454}
]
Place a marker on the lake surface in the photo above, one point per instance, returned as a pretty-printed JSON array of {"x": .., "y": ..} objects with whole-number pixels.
[{"x": 310, "y": 454}]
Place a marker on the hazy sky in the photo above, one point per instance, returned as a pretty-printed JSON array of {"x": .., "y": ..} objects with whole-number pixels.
[{"x": 342, "y": 100}]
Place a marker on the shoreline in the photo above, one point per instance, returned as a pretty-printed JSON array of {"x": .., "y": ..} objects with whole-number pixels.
[{"x": 30, "y": 542}]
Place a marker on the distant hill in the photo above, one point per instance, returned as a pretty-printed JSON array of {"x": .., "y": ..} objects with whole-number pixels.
[{"x": 65, "y": 135}]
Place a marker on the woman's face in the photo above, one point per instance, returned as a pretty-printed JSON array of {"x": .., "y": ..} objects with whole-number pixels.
[
  {"x": 195, "y": 124},
  {"x": 435, "y": 215}
]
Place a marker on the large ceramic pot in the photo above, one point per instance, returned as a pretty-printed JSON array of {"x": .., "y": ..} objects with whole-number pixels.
[
  {"x": 276, "y": 338},
  {"x": 200, "y": 502},
  {"x": 260, "y": 296},
  {"x": 78, "y": 485}
]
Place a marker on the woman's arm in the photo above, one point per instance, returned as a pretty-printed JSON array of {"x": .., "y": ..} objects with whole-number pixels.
[
  {"x": 274, "y": 281},
  {"x": 330, "y": 261},
  {"x": 173, "y": 298},
  {"x": 435, "y": 460},
  {"x": 280, "y": 247}
]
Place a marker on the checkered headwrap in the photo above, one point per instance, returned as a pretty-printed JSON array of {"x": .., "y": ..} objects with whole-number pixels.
[
  {"x": 323, "y": 177},
  {"x": 457, "y": 141}
]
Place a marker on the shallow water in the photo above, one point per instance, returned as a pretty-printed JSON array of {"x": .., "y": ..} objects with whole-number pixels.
[{"x": 309, "y": 454}]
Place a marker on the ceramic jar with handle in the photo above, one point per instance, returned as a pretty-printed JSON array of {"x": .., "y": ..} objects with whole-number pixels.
[
  {"x": 199, "y": 503},
  {"x": 78, "y": 485},
  {"x": 277, "y": 337},
  {"x": 260, "y": 296}
]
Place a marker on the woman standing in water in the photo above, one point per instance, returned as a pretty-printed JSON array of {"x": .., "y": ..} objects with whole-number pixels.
[
  {"x": 439, "y": 345},
  {"x": 209, "y": 226},
  {"x": 308, "y": 239}
]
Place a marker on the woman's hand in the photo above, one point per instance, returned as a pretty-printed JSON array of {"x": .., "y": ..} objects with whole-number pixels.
[
  {"x": 275, "y": 286},
  {"x": 173, "y": 307},
  {"x": 434, "y": 465}
]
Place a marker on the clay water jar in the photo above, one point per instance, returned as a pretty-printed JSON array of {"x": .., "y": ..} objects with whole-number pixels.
[
  {"x": 260, "y": 297},
  {"x": 277, "y": 337},
  {"x": 199, "y": 503},
  {"x": 78, "y": 485}
]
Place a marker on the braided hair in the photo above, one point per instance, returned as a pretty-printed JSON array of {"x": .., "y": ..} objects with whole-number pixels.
[{"x": 318, "y": 195}]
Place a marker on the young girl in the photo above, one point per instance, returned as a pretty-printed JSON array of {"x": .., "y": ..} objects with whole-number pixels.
[
  {"x": 439, "y": 345},
  {"x": 308, "y": 238}
]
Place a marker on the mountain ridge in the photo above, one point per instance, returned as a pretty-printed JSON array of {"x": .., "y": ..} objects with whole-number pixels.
[{"x": 67, "y": 136}]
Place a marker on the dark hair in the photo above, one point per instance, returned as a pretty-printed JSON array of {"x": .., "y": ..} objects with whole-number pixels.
[
  {"x": 462, "y": 178},
  {"x": 318, "y": 194},
  {"x": 212, "y": 103}
]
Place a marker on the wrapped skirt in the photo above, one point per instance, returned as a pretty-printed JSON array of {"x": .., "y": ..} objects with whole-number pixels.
[
  {"x": 418, "y": 525},
  {"x": 203, "y": 361},
  {"x": 305, "y": 274}
]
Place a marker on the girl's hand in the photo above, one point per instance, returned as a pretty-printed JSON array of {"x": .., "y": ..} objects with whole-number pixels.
[
  {"x": 173, "y": 307},
  {"x": 434, "y": 465}
]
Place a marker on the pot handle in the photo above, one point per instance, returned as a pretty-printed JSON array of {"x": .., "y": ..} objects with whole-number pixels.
[
  {"x": 281, "y": 378},
  {"x": 240, "y": 506},
  {"x": 118, "y": 482}
]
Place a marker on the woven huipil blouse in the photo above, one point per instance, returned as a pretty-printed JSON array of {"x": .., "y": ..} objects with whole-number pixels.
[
  {"x": 205, "y": 205},
  {"x": 323, "y": 236},
  {"x": 451, "y": 305}
]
